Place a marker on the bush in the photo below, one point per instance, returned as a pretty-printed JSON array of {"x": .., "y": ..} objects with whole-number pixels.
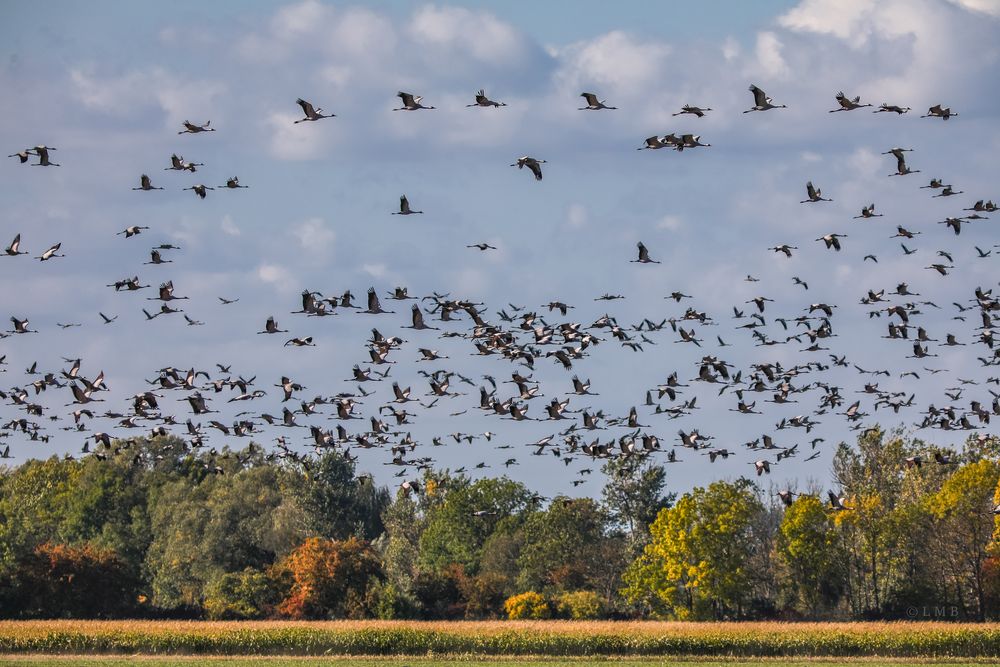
[
  {"x": 530, "y": 605},
  {"x": 241, "y": 595},
  {"x": 580, "y": 605}
]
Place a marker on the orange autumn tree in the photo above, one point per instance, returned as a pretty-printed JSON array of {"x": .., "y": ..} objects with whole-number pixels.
[{"x": 328, "y": 579}]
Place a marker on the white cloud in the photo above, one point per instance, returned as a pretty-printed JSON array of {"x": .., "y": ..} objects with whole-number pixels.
[
  {"x": 293, "y": 22},
  {"x": 669, "y": 223},
  {"x": 576, "y": 216},
  {"x": 374, "y": 270},
  {"x": 314, "y": 236},
  {"x": 476, "y": 34},
  {"x": 128, "y": 95},
  {"x": 277, "y": 276},
  {"x": 614, "y": 62},
  {"x": 991, "y": 7},
  {"x": 841, "y": 18},
  {"x": 730, "y": 49},
  {"x": 768, "y": 52},
  {"x": 865, "y": 162},
  {"x": 228, "y": 226},
  {"x": 302, "y": 141}
]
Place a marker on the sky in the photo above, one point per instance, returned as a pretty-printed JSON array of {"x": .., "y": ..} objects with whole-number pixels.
[{"x": 109, "y": 84}]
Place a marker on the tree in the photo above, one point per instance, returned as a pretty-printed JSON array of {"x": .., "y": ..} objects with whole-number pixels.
[
  {"x": 466, "y": 516},
  {"x": 887, "y": 533},
  {"x": 241, "y": 595},
  {"x": 341, "y": 505},
  {"x": 565, "y": 547},
  {"x": 696, "y": 564},
  {"x": 633, "y": 496},
  {"x": 810, "y": 557},
  {"x": 964, "y": 537},
  {"x": 222, "y": 523},
  {"x": 328, "y": 579},
  {"x": 63, "y": 581},
  {"x": 399, "y": 547}
]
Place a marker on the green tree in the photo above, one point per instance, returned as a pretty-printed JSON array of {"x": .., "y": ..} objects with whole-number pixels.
[
  {"x": 633, "y": 496},
  {"x": 466, "y": 516},
  {"x": 339, "y": 504},
  {"x": 242, "y": 595},
  {"x": 566, "y": 548},
  {"x": 698, "y": 562},
  {"x": 887, "y": 534},
  {"x": 965, "y": 529},
  {"x": 223, "y": 523},
  {"x": 809, "y": 557}
]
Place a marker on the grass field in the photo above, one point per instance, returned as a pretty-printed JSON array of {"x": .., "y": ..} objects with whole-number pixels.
[{"x": 477, "y": 640}]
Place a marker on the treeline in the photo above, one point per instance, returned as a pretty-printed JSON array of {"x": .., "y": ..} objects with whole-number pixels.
[{"x": 156, "y": 530}]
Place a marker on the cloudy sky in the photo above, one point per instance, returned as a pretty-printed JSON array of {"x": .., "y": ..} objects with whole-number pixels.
[{"x": 109, "y": 84}]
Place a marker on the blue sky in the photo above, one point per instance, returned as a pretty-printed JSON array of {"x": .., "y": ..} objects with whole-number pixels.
[{"x": 109, "y": 84}]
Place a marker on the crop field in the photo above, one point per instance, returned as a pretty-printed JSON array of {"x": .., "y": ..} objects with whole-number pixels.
[
  {"x": 501, "y": 639},
  {"x": 255, "y": 661}
]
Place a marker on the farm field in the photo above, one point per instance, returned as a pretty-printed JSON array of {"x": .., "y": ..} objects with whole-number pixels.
[
  {"x": 500, "y": 641},
  {"x": 285, "y": 661}
]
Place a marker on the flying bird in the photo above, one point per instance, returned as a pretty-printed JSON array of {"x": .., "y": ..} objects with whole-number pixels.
[
  {"x": 483, "y": 101},
  {"x": 410, "y": 102},
  {"x": 310, "y": 112},
  {"x": 937, "y": 111},
  {"x": 193, "y": 128},
  {"x": 761, "y": 102},
  {"x": 848, "y": 104},
  {"x": 643, "y": 255},
  {"x": 594, "y": 104},
  {"x": 532, "y": 164},
  {"x": 145, "y": 184},
  {"x": 693, "y": 110},
  {"x": 404, "y": 207},
  {"x": 200, "y": 190},
  {"x": 814, "y": 194}
]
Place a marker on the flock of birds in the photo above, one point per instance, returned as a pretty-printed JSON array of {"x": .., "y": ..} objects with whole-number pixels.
[{"x": 378, "y": 410}]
